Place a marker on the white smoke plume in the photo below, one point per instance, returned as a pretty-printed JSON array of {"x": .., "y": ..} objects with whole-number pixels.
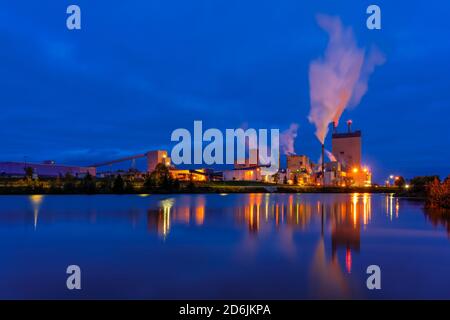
[
  {"x": 338, "y": 79},
  {"x": 287, "y": 139},
  {"x": 329, "y": 155}
]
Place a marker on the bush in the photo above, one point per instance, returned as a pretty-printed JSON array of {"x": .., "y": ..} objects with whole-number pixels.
[
  {"x": 438, "y": 194},
  {"x": 419, "y": 184},
  {"x": 118, "y": 184},
  {"x": 88, "y": 184},
  {"x": 399, "y": 182},
  {"x": 161, "y": 178},
  {"x": 69, "y": 184}
]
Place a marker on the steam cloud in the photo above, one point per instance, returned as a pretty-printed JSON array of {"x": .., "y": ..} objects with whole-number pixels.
[
  {"x": 329, "y": 155},
  {"x": 339, "y": 79},
  {"x": 287, "y": 139}
]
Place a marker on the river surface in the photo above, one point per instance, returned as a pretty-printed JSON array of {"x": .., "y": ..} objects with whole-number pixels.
[{"x": 229, "y": 246}]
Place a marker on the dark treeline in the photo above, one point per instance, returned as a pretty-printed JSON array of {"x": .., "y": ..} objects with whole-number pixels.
[
  {"x": 157, "y": 181},
  {"x": 435, "y": 192}
]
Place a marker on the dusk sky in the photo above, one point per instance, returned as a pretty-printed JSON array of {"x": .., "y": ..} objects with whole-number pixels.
[{"x": 137, "y": 70}]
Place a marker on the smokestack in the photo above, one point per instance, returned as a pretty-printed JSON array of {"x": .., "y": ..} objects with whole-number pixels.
[
  {"x": 349, "y": 125},
  {"x": 334, "y": 127},
  {"x": 323, "y": 163}
]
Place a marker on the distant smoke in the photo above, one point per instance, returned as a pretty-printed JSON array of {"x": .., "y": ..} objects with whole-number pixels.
[
  {"x": 329, "y": 155},
  {"x": 374, "y": 58},
  {"x": 339, "y": 79},
  {"x": 287, "y": 139}
]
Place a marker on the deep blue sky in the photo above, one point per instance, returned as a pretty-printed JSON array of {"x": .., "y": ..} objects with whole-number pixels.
[{"x": 139, "y": 69}]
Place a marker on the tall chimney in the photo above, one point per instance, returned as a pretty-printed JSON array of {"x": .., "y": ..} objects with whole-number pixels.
[
  {"x": 349, "y": 125},
  {"x": 323, "y": 164},
  {"x": 334, "y": 127}
]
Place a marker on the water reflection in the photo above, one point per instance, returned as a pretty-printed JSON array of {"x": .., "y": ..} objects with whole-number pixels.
[
  {"x": 326, "y": 277},
  {"x": 260, "y": 210},
  {"x": 439, "y": 217},
  {"x": 310, "y": 245},
  {"x": 342, "y": 214},
  {"x": 392, "y": 206},
  {"x": 36, "y": 201},
  {"x": 167, "y": 213},
  {"x": 342, "y": 217}
]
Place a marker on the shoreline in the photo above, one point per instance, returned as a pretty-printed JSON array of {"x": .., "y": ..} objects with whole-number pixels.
[{"x": 211, "y": 189}]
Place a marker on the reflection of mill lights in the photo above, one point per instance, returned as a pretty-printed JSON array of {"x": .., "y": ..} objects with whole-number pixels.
[
  {"x": 391, "y": 199},
  {"x": 354, "y": 207},
  {"x": 267, "y": 200},
  {"x": 200, "y": 211},
  {"x": 291, "y": 205},
  {"x": 143, "y": 195},
  {"x": 365, "y": 215},
  {"x": 36, "y": 201},
  {"x": 387, "y": 205},
  {"x": 166, "y": 205},
  {"x": 348, "y": 260},
  {"x": 397, "y": 207},
  {"x": 199, "y": 215}
]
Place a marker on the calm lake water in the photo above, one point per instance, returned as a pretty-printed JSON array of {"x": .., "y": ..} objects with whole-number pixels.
[{"x": 236, "y": 246}]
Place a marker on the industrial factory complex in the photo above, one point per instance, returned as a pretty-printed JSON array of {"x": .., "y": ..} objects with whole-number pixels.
[{"x": 343, "y": 168}]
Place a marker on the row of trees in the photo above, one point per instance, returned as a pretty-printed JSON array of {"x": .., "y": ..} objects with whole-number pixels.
[
  {"x": 90, "y": 185},
  {"x": 436, "y": 193},
  {"x": 159, "y": 179}
]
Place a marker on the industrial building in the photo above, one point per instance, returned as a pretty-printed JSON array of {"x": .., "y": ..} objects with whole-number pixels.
[
  {"x": 334, "y": 175},
  {"x": 47, "y": 169},
  {"x": 344, "y": 168},
  {"x": 156, "y": 157},
  {"x": 346, "y": 148},
  {"x": 194, "y": 174},
  {"x": 241, "y": 173},
  {"x": 299, "y": 168},
  {"x": 249, "y": 169},
  {"x": 152, "y": 159}
]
